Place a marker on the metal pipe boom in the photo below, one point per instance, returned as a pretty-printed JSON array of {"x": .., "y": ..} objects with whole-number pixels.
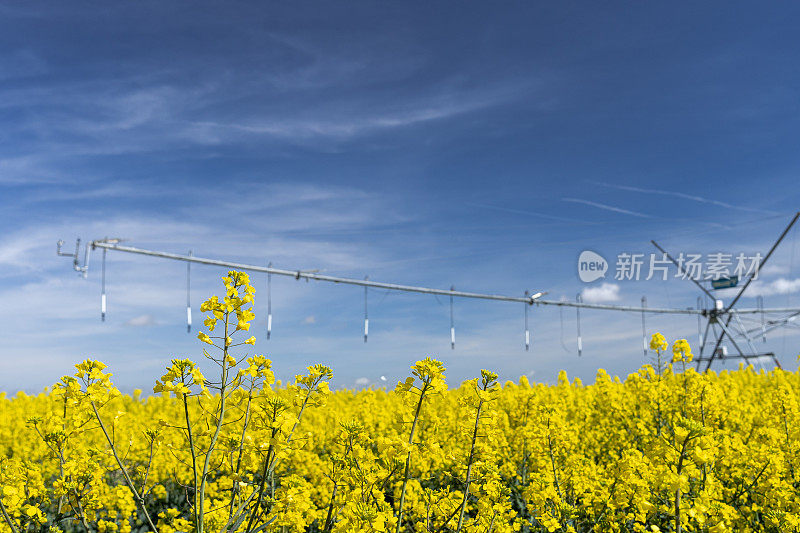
[
  {"x": 299, "y": 274},
  {"x": 536, "y": 298}
]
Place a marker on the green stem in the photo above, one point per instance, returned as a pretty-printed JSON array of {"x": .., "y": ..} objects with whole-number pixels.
[
  {"x": 329, "y": 518},
  {"x": 220, "y": 418},
  {"x": 553, "y": 460},
  {"x": 678, "y": 470},
  {"x": 80, "y": 510},
  {"x": 261, "y": 486},
  {"x": 469, "y": 467},
  {"x": 7, "y": 518},
  {"x": 136, "y": 496},
  {"x": 194, "y": 457},
  {"x": 294, "y": 426},
  {"x": 408, "y": 458},
  {"x": 235, "y": 488}
]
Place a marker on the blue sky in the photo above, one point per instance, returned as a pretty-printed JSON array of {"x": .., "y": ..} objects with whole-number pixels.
[{"x": 431, "y": 143}]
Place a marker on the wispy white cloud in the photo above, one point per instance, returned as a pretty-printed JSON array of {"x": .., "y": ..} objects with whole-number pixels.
[
  {"x": 141, "y": 321},
  {"x": 29, "y": 169},
  {"x": 21, "y": 63},
  {"x": 280, "y": 230},
  {"x": 529, "y": 212},
  {"x": 161, "y": 112},
  {"x": 773, "y": 269},
  {"x": 347, "y": 120},
  {"x": 684, "y": 196},
  {"x": 22, "y": 249},
  {"x": 773, "y": 288},
  {"x": 67, "y": 124},
  {"x": 606, "y": 292},
  {"x": 90, "y": 190},
  {"x": 606, "y": 207}
]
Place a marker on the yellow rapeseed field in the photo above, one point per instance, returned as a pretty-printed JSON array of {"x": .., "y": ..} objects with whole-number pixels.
[{"x": 667, "y": 449}]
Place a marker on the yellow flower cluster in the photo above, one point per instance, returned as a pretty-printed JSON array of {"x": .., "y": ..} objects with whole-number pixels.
[
  {"x": 179, "y": 377},
  {"x": 665, "y": 449},
  {"x": 681, "y": 351}
]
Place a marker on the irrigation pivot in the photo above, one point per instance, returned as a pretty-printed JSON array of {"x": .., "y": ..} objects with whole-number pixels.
[
  {"x": 721, "y": 321},
  {"x": 725, "y": 321}
]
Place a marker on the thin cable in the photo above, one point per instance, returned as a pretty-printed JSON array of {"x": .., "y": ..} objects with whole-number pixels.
[
  {"x": 789, "y": 295},
  {"x": 527, "y": 332},
  {"x": 760, "y": 305},
  {"x": 644, "y": 328},
  {"x": 669, "y": 303},
  {"x": 385, "y": 294},
  {"x": 561, "y": 317},
  {"x": 269, "y": 302},
  {"x": 452, "y": 323},
  {"x": 103, "y": 289},
  {"x": 700, "y": 340},
  {"x": 188, "y": 293}
]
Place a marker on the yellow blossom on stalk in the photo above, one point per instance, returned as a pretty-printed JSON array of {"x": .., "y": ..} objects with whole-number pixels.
[
  {"x": 681, "y": 351},
  {"x": 244, "y": 317},
  {"x": 259, "y": 367},
  {"x": 97, "y": 384},
  {"x": 312, "y": 387},
  {"x": 90, "y": 369},
  {"x": 658, "y": 342},
  {"x": 181, "y": 375},
  {"x": 430, "y": 372}
]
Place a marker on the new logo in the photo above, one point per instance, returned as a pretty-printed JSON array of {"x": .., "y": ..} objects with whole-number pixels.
[{"x": 591, "y": 266}]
